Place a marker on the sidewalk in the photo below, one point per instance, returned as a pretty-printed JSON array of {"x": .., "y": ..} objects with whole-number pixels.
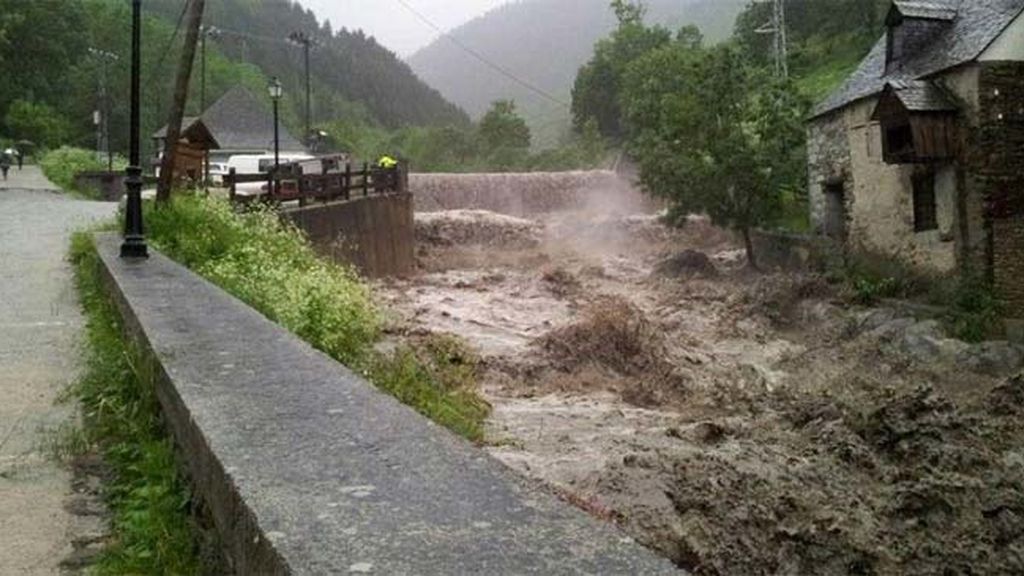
[{"x": 39, "y": 327}]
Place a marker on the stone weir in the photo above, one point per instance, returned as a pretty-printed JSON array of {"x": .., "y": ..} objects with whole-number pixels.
[
  {"x": 308, "y": 469},
  {"x": 527, "y": 194}
]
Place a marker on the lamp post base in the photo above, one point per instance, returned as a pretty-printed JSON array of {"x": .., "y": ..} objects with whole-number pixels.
[{"x": 134, "y": 245}]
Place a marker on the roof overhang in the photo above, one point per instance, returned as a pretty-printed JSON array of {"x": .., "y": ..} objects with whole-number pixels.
[{"x": 921, "y": 10}]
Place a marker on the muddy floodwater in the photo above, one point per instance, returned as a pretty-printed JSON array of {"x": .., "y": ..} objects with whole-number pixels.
[{"x": 737, "y": 422}]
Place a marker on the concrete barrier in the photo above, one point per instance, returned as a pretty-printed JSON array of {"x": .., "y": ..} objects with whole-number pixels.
[
  {"x": 308, "y": 469},
  {"x": 525, "y": 194},
  {"x": 109, "y": 185},
  {"x": 376, "y": 233}
]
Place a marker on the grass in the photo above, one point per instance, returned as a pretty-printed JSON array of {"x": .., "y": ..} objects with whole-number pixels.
[
  {"x": 273, "y": 268},
  {"x": 149, "y": 499},
  {"x": 61, "y": 165}
]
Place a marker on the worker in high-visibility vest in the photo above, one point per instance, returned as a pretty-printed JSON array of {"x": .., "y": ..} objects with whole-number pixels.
[{"x": 387, "y": 162}]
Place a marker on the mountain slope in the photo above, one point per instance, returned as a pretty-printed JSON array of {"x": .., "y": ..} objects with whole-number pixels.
[{"x": 544, "y": 42}]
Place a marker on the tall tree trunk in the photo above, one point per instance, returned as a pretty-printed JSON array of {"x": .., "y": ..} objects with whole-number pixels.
[
  {"x": 188, "y": 55},
  {"x": 748, "y": 243}
]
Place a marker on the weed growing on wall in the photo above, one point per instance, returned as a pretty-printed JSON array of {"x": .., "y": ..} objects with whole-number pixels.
[
  {"x": 153, "y": 532},
  {"x": 273, "y": 268}
]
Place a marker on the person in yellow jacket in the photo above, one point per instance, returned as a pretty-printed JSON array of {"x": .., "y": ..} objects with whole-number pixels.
[{"x": 387, "y": 162}]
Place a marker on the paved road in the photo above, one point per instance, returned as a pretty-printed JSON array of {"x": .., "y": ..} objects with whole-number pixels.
[{"x": 39, "y": 326}]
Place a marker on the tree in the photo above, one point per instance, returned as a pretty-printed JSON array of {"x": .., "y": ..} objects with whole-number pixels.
[
  {"x": 714, "y": 136},
  {"x": 39, "y": 123},
  {"x": 502, "y": 128},
  {"x": 595, "y": 94}
]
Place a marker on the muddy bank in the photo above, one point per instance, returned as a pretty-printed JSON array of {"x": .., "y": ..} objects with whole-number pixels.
[{"x": 739, "y": 423}]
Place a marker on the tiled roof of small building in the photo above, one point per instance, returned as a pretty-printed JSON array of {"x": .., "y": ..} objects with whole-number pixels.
[
  {"x": 976, "y": 25},
  {"x": 928, "y": 10},
  {"x": 922, "y": 96},
  {"x": 241, "y": 121}
]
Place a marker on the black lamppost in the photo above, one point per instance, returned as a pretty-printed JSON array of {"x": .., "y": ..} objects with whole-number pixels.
[
  {"x": 134, "y": 245},
  {"x": 275, "y": 96}
]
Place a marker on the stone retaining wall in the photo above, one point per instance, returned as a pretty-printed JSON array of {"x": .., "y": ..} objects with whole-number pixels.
[{"x": 308, "y": 469}]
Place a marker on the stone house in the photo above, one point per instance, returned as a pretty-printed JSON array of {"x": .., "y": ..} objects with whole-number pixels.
[{"x": 920, "y": 153}]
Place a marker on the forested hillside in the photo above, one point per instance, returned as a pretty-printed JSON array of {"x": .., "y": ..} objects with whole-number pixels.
[
  {"x": 544, "y": 42},
  {"x": 349, "y": 66},
  {"x": 53, "y": 83}
]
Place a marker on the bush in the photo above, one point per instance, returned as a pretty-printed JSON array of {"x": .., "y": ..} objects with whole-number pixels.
[
  {"x": 274, "y": 269},
  {"x": 975, "y": 312},
  {"x": 61, "y": 165}
]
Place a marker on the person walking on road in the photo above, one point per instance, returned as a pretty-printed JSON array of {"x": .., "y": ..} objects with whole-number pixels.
[
  {"x": 21, "y": 159},
  {"x": 5, "y": 165}
]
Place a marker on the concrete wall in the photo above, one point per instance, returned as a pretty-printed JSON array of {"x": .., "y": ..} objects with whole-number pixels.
[
  {"x": 307, "y": 469},
  {"x": 804, "y": 252},
  {"x": 109, "y": 184},
  {"x": 525, "y": 194},
  {"x": 376, "y": 234}
]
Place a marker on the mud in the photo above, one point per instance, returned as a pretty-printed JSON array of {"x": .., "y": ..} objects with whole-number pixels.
[{"x": 737, "y": 422}]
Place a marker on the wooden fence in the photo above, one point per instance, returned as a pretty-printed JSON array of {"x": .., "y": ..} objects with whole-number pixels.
[{"x": 290, "y": 184}]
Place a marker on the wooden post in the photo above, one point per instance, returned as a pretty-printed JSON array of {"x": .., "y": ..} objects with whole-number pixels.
[
  {"x": 348, "y": 180},
  {"x": 188, "y": 53},
  {"x": 231, "y": 185},
  {"x": 366, "y": 179}
]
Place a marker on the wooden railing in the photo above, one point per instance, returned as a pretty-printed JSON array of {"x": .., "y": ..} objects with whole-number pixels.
[{"x": 289, "y": 185}]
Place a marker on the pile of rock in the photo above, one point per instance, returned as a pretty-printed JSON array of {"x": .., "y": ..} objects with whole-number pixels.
[{"x": 476, "y": 228}]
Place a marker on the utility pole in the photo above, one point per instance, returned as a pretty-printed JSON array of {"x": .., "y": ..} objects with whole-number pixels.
[
  {"x": 205, "y": 32},
  {"x": 188, "y": 55},
  {"x": 304, "y": 40},
  {"x": 102, "y": 116},
  {"x": 777, "y": 28}
]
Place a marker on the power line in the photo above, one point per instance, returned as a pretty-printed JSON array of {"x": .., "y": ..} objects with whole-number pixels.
[
  {"x": 496, "y": 67},
  {"x": 177, "y": 28}
]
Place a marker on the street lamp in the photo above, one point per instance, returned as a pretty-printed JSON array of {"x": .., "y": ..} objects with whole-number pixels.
[
  {"x": 134, "y": 245},
  {"x": 275, "y": 91}
]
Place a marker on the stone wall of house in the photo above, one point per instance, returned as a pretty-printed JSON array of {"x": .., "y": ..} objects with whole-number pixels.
[
  {"x": 881, "y": 211},
  {"x": 998, "y": 160},
  {"x": 1008, "y": 262},
  {"x": 828, "y": 154}
]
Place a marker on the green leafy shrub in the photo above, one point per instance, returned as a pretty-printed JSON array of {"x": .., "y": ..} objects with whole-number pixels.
[
  {"x": 975, "y": 312},
  {"x": 61, "y": 165},
  {"x": 149, "y": 498},
  {"x": 274, "y": 269}
]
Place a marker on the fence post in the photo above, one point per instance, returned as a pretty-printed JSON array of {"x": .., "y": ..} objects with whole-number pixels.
[
  {"x": 231, "y": 185},
  {"x": 348, "y": 180},
  {"x": 366, "y": 179}
]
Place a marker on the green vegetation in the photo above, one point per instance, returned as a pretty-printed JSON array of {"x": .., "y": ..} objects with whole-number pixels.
[
  {"x": 273, "y": 268},
  {"x": 499, "y": 143},
  {"x": 153, "y": 531},
  {"x": 61, "y": 165}
]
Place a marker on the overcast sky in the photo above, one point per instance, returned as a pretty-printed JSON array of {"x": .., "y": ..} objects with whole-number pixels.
[{"x": 392, "y": 25}]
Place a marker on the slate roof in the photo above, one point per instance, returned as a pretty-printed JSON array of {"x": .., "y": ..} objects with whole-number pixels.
[
  {"x": 922, "y": 96},
  {"x": 977, "y": 24},
  {"x": 240, "y": 120},
  {"x": 934, "y": 10}
]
